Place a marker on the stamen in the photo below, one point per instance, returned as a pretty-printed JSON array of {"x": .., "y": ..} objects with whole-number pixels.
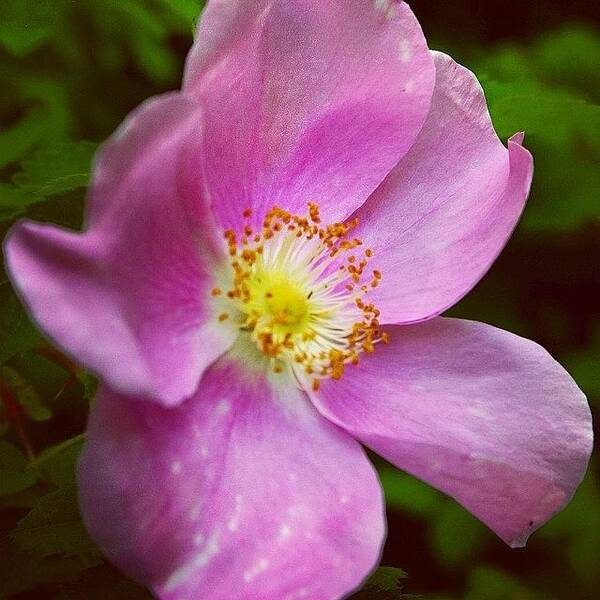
[{"x": 297, "y": 288}]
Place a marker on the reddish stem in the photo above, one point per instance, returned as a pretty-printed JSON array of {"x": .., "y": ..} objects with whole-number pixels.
[
  {"x": 57, "y": 357},
  {"x": 14, "y": 413},
  {"x": 63, "y": 361}
]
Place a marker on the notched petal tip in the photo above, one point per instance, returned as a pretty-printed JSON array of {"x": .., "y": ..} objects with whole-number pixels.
[
  {"x": 518, "y": 138},
  {"x": 444, "y": 214}
]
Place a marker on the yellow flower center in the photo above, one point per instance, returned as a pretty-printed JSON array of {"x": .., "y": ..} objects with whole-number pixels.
[
  {"x": 297, "y": 288},
  {"x": 274, "y": 295}
]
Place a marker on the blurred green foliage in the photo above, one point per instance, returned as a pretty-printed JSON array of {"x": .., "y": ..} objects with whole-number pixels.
[{"x": 70, "y": 72}]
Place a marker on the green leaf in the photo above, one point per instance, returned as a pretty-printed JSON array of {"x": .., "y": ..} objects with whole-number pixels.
[
  {"x": 386, "y": 578},
  {"x": 14, "y": 201},
  {"x": 89, "y": 382},
  {"x": 566, "y": 60},
  {"x": 151, "y": 56},
  {"x": 13, "y": 467},
  {"x": 21, "y": 571},
  {"x": 186, "y": 10},
  {"x": 456, "y": 535},
  {"x": 57, "y": 169},
  {"x": 140, "y": 15},
  {"x": 488, "y": 583},
  {"x": 550, "y": 115},
  {"x": 583, "y": 367},
  {"x": 408, "y": 493},
  {"x": 530, "y": 106},
  {"x": 565, "y": 186},
  {"x": 25, "y": 499},
  {"x": 577, "y": 529},
  {"x": 27, "y": 24},
  {"x": 51, "y": 94},
  {"x": 103, "y": 583},
  {"x": 58, "y": 462},
  {"x": 570, "y": 57},
  {"x": 21, "y": 137},
  {"x": 18, "y": 332},
  {"x": 25, "y": 394},
  {"x": 384, "y": 584},
  {"x": 54, "y": 527}
]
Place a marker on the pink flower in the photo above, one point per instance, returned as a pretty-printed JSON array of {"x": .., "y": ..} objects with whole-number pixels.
[{"x": 258, "y": 285}]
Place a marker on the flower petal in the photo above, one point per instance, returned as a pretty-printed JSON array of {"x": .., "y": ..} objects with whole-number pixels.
[
  {"x": 443, "y": 215},
  {"x": 484, "y": 415},
  {"x": 307, "y": 101},
  {"x": 129, "y": 297},
  {"x": 242, "y": 492}
]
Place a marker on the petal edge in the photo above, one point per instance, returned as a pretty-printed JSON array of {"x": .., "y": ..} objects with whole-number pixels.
[{"x": 485, "y": 416}]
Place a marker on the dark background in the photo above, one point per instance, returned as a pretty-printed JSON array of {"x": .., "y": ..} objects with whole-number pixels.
[
  {"x": 496, "y": 20},
  {"x": 71, "y": 70}
]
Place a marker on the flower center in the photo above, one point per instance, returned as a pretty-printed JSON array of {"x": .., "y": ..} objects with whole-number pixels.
[
  {"x": 297, "y": 288},
  {"x": 280, "y": 300}
]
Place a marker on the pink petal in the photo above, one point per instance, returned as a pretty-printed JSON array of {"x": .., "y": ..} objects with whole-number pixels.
[
  {"x": 307, "y": 101},
  {"x": 242, "y": 492},
  {"x": 485, "y": 416},
  {"x": 223, "y": 25},
  {"x": 445, "y": 212},
  {"x": 128, "y": 297}
]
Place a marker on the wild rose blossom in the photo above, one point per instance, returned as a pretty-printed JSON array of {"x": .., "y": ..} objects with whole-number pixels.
[{"x": 258, "y": 286}]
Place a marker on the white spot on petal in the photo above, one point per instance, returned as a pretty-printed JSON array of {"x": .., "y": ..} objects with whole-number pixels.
[
  {"x": 194, "y": 513},
  {"x": 301, "y": 593},
  {"x": 181, "y": 575},
  {"x": 176, "y": 467},
  {"x": 256, "y": 569},
  {"x": 285, "y": 531},
  {"x": 405, "y": 51},
  {"x": 234, "y": 520},
  {"x": 435, "y": 465},
  {"x": 477, "y": 411},
  {"x": 387, "y": 7},
  {"x": 223, "y": 407}
]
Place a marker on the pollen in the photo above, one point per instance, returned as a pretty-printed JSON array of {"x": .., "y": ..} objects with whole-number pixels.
[{"x": 298, "y": 288}]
